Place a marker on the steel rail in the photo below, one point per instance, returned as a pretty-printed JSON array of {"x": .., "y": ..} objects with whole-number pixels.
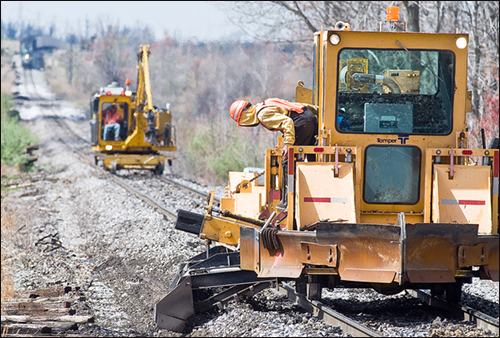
[
  {"x": 326, "y": 314},
  {"x": 156, "y": 205},
  {"x": 160, "y": 208},
  {"x": 163, "y": 178},
  {"x": 469, "y": 314}
]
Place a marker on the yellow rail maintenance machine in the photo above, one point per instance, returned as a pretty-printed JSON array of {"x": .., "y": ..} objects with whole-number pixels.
[
  {"x": 395, "y": 198},
  {"x": 142, "y": 131}
]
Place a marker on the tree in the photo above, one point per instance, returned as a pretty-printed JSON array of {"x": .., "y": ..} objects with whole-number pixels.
[
  {"x": 112, "y": 55},
  {"x": 413, "y": 15}
]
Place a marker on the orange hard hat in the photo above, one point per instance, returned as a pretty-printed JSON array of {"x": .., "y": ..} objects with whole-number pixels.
[{"x": 236, "y": 109}]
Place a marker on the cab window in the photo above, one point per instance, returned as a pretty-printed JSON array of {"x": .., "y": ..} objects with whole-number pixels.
[{"x": 395, "y": 91}]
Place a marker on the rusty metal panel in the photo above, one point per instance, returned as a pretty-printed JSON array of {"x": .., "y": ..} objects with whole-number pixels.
[
  {"x": 432, "y": 250},
  {"x": 374, "y": 253},
  {"x": 317, "y": 254},
  {"x": 321, "y": 196},
  {"x": 369, "y": 275},
  {"x": 285, "y": 261},
  {"x": 430, "y": 276},
  {"x": 473, "y": 255},
  {"x": 367, "y": 252},
  {"x": 465, "y": 199},
  {"x": 492, "y": 268}
]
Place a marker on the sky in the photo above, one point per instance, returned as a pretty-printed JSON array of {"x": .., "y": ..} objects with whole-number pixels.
[{"x": 202, "y": 20}]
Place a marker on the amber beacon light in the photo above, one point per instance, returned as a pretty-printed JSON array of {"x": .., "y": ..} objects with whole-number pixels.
[{"x": 392, "y": 13}]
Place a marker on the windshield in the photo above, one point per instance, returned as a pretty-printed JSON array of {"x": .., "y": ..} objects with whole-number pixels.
[{"x": 395, "y": 91}]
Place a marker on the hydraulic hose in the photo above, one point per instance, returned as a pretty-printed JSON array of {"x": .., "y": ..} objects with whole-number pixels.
[{"x": 229, "y": 214}]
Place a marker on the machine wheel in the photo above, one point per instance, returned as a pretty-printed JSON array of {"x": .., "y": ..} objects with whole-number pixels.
[
  {"x": 437, "y": 292},
  {"x": 159, "y": 168},
  {"x": 454, "y": 292},
  {"x": 113, "y": 167}
]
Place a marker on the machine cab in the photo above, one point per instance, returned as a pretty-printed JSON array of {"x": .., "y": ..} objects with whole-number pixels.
[
  {"x": 103, "y": 103},
  {"x": 394, "y": 101}
]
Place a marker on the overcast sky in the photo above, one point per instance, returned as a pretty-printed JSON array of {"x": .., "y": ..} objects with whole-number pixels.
[{"x": 182, "y": 19}]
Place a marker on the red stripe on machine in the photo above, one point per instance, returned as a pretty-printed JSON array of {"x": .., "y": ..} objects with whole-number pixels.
[
  {"x": 317, "y": 199},
  {"x": 290, "y": 161},
  {"x": 471, "y": 202},
  {"x": 326, "y": 200},
  {"x": 463, "y": 202}
]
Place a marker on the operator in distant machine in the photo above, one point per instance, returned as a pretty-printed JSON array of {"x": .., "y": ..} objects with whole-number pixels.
[
  {"x": 112, "y": 121},
  {"x": 297, "y": 122}
]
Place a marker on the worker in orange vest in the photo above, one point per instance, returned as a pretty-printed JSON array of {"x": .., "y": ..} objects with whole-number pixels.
[
  {"x": 297, "y": 122},
  {"x": 112, "y": 121}
]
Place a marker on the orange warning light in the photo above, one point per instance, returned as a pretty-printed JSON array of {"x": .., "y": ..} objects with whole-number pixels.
[
  {"x": 392, "y": 13},
  {"x": 127, "y": 81}
]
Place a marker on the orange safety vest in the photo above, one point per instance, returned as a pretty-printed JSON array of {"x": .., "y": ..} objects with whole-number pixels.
[
  {"x": 110, "y": 117},
  {"x": 275, "y": 102}
]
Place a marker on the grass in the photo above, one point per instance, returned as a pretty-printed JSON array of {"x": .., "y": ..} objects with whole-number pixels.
[{"x": 15, "y": 137}]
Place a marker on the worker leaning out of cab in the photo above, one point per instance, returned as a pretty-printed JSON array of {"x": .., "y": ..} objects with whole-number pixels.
[
  {"x": 112, "y": 120},
  {"x": 297, "y": 121}
]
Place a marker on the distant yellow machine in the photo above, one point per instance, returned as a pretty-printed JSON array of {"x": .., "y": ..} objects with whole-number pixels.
[
  {"x": 144, "y": 131},
  {"x": 395, "y": 199}
]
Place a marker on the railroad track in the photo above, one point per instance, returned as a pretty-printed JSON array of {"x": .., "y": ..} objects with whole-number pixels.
[
  {"x": 316, "y": 308},
  {"x": 480, "y": 319},
  {"x": 328, "y": 315},
  {"x": 319, "y": 310}
]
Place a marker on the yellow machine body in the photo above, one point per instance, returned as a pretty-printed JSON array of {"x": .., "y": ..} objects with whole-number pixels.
[
  {"x": 146, "y": 132},
  {"x": 396, "y": 198}
]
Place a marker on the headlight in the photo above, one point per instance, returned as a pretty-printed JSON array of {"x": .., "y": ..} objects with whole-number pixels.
[
  {"x": 461, "y": 43},
  {"x": 334, "y": 39}
]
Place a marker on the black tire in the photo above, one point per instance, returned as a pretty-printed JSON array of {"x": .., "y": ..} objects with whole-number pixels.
[
  {"x": 113, "y": 167},
  {"x": 454, "y": 292},
  {"x": 159, "y": 168}
]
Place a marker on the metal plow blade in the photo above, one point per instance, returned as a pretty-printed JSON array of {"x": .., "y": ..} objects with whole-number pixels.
[
  {"x": 172, "y": 311},
  {"x": 204, "y": 282}
]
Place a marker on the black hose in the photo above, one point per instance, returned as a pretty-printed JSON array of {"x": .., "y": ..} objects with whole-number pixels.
[{"x": 229, "y": 214}]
